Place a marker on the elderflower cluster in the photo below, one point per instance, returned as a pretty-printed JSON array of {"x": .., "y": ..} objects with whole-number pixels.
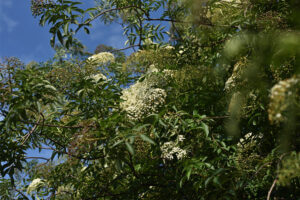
[
  {"x": 141, "y": 100},
  {"x": 103, "y": 58},
  {"x": 249, "y": 137},
  {"x": 145, "y": 97},
  {"x": 281, "y": 94},
  {"x": 171, "y": 149},
  {"x": 169, "y": 47},
  {"x": 181, "y": 138},
  {"x": 34, "y": 185},
  {"x": 97, "y": 77},
  {"x": 238, "y": 71}
]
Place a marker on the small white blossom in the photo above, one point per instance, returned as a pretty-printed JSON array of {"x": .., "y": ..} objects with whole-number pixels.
[
  {"x": 97, "y": 77},
  {"x": 169, "y": 47},
  {"x": 170, "y": 149},
  {"x": 181, "y": 138},
  {"x": 152, "y": 68},
  {"x": 103, "y": 58},
  {"x": 249, "y": 137},
  {"x": 34, "y": 185},
  {"x": 278, "y": 116}
]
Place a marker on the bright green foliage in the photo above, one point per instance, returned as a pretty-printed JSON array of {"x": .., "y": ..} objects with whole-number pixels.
[{"x": 212, "y": 114}]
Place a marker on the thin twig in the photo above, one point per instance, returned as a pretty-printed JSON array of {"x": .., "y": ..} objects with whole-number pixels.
[
  {"x": 270, "y": 191},
  {"x": 29, "y": 134},
  {"x": 38, "y": 158},
  {"x": 21, "y": 193},
  {"x": 57, "y": 126},
  {"x": 215, "y": 117},
  {"x": 136, "y": 45},
  {"x": 189, "y": 22},
  {"x": 104, "y": 12},
  {"x": 261, "y": 167},
  {"x": 276, "y": 179}
]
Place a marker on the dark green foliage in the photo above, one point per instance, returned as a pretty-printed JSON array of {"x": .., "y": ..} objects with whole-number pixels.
[{"x": 228, "y": 127}]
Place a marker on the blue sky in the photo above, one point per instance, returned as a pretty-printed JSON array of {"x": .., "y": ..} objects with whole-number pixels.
[{"x": 22, "y": 37}]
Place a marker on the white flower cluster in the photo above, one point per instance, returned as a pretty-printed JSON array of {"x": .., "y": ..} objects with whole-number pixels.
[
  {"x": 34, "y": 185},
  {"x": 171, "y": 149},
  {"x": 280, "y": 93},
  {"x": 243, "y": 139},
  {"x": 230, "y": 83},
  {"x": 238, "y": 70},
  {"x": 97, "y": 77},
  {"x": 249, "y": 137},
  {"x": 145, "y": 97},
  {"x": 102, "y": 58},
  {"x": 141, "y": 100}
]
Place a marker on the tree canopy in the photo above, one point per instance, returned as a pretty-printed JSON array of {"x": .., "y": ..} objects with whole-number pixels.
[{"x": 207, "y": 107}]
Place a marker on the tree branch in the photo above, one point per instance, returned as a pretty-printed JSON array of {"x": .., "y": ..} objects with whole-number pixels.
[
  {"x": 29, "y": 134},
  {"x": 104, "y": 12},
  {"x": 270, "y": 190},
  {"x": 21, "y": 193},
  {"x": 38, "y": 158},
  {"x": 132, "y": 46},
  {"x": 56, "y": 126}
]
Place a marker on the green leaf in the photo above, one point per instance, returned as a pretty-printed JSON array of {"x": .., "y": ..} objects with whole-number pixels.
[
  {"x": 90, "y": 9},
  {"x": 66, "y": 28},
  {"x": 162, "y": 123},
  {"x": 86, "y": 30},
  {"x": 188, "y": 173},
  {"x": 129, "y": 148},
  {"x": 147, "y": 139},
  {"x": 205, "y": 128},
  {"x": 50, "y": 87},
  {"x": 54, "y": 153},
  {"x": 117, "y": 143},
  {"x": 60, "y": 37},
  {"x": 52, "y": 41},
  {"x": 138, "y": 129}
]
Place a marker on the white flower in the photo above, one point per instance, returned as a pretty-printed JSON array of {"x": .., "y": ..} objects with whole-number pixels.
[
  {"x": 103, "y": 58},
  {"x": 34, "y": 185},
  {"x": 278, "y": 116},
  {"x": 181, "y": 138},
  {"x": 169, "y": 47},
  {"x": 170, "y": 149},
  {"x": 144, "y": 97},
  {"x": 152, "y": 68},
  {"x": 230, "y": 83},
  {"x": 141, "y": 100},
  {"x": 97, "y": 77},
  {"x": 281, "y": 95},
  {"x": 249, "y": 137}
]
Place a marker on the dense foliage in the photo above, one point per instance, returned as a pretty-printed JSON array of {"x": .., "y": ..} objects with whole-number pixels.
[{"x": 212, "y": 113}]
